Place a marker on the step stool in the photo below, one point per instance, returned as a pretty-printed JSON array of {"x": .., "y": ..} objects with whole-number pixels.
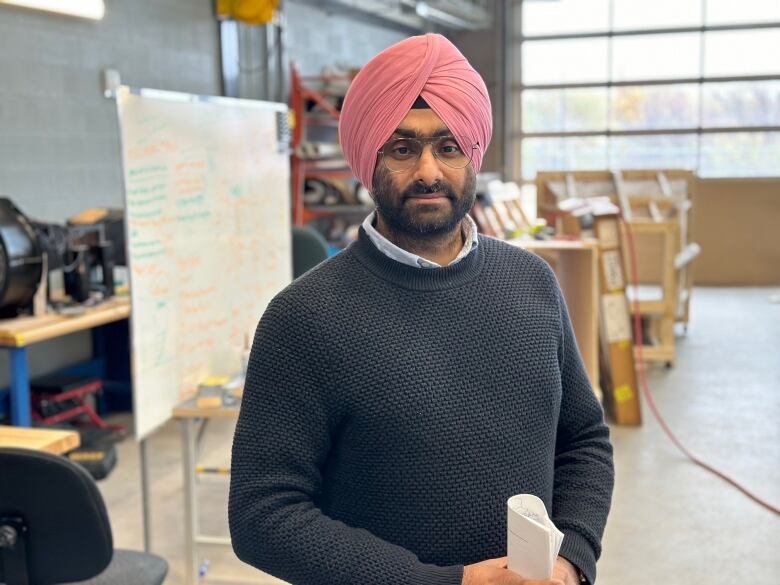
[{"x": 56, "y": 399}]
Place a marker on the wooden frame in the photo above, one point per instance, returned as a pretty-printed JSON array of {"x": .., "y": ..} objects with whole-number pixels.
[
  {"x": 659, "y": 198},
  {"x": 660, "y": 313}
]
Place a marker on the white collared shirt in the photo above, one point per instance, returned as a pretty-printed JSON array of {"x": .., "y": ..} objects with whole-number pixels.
[{"x": 389, "y": 249}]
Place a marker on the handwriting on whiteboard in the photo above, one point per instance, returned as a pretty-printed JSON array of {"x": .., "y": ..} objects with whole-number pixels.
[{"x": 207, "y": 198}]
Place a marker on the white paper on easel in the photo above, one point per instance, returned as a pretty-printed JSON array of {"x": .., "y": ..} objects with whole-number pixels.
[{"x": 533, "y": 541}]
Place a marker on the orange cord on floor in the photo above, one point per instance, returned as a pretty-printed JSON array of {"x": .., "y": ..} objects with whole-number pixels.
[{"x": 649, "y": 396}]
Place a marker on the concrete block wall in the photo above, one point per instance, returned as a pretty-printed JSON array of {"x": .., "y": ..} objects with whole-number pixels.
[
  {"x": 59, "y": 145},
  {"x": 317, "y": 37},
  {"x": 59, "y": 141}
]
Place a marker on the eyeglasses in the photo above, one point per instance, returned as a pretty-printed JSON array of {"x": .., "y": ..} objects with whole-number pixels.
[{"x": 403, "y": 154}]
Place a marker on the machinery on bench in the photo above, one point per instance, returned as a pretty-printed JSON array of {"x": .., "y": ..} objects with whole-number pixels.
[
  {"x": 35, "y": 255},
  {"x": 63, "y": 268}
]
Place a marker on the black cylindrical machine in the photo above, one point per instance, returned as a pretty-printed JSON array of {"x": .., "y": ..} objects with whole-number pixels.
[
  {"x": 21, "y": 258},
  {"x": 86, "y": 253}
]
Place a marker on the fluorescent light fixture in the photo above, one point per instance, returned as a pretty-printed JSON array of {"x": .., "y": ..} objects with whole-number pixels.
[{"x": 94, "y": 9}]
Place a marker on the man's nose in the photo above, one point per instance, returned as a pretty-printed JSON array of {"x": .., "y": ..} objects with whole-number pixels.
[{"x": 428, "y": 168}]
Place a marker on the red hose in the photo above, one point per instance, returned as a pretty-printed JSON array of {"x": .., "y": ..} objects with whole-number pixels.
[{"x": 648, "y": 394}]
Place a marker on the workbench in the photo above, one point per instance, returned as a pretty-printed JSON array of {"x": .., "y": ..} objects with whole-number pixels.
[
  {"x": 55, "y": 441},
  {"x": 19, "y": 333}
]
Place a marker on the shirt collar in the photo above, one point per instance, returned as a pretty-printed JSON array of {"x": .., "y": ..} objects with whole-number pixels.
[{"x": 389, "y": 249}]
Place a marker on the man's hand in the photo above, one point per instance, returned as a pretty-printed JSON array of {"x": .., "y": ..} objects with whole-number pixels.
[
  {"x": 566, "y": 572},
  {"x": 494, "y": 572}
]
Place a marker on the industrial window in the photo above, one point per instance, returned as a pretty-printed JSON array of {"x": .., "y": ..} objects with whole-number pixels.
[{"x": 630, "y": 83}]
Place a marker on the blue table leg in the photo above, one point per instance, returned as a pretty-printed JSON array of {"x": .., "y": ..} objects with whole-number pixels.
[
  {"x": 99, "y": 341},
  {"x": 99, "y": 355},
  {"x": 20, "y": 388}
]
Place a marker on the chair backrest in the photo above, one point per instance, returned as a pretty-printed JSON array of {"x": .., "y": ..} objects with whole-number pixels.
[
  {"x": 68, "y": 535},
  {"x": 309, "y": 249}
]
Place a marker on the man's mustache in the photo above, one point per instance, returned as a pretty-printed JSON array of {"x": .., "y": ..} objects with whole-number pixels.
[{"x": 423, "y": 189}]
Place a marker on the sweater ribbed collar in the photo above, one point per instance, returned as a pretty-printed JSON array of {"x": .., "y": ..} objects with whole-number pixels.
[{"x": 412, "y": 277}]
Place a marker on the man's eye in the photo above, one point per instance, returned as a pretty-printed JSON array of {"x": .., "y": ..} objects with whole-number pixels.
[
  {"x": 449, "y": 148},
  {"x": 401, "y": 151}
]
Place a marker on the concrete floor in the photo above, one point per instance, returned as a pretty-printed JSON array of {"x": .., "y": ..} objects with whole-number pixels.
[{"x": 671, "y": 521}]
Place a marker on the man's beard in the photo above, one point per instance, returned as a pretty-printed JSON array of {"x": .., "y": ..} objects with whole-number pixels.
[{"x": 415, "y": 221}]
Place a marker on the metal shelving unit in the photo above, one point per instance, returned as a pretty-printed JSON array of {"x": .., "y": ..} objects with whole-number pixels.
[{"x": 324, "y": 113}]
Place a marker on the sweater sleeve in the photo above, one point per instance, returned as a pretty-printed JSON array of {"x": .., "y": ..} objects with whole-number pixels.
[
  {"x": 283, "y": 437},
  {"x": 584, "y": 473}
]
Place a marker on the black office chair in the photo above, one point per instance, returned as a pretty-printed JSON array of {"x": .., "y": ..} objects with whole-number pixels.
[
  {"x": 54, "y": 527},
  {"x": 309, "y": 248}
]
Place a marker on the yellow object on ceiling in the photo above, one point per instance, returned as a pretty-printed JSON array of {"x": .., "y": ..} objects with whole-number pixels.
[{"x": 248, "y": 11}]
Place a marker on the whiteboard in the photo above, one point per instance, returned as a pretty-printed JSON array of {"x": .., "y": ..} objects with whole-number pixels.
[{"x": 207, "y": 208}]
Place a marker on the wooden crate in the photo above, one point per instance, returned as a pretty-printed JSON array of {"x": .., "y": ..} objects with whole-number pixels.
[{"x": 657, "y": 204}]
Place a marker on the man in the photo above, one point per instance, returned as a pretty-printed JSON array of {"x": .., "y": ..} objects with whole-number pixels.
[{"x": 399, "y": 393}]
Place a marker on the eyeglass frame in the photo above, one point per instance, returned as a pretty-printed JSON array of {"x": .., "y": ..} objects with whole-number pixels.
[{"x": 423, "y": 140}]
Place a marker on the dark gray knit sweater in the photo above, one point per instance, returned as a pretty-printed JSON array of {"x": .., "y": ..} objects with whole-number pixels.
[{"x": 390, "y": 411}]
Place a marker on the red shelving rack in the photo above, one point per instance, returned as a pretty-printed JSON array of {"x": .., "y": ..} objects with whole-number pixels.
[{"x": 324, "y": 113}]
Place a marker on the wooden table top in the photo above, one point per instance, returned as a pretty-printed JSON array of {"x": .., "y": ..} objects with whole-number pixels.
[
  {"x": 54, "y": 441},
  {"x": 190, "y": 409},
  {"x": 27, "y": 330}
]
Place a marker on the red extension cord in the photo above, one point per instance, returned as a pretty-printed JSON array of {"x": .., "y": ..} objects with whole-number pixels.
[{"x": 649, "y": 396}]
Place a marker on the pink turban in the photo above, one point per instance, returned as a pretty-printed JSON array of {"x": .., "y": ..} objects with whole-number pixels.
[{"x": 384, "y": 91}]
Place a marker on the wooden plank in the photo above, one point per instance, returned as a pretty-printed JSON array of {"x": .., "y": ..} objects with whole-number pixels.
[
  {"x": 619, "y": 381},
  {"x": 639, "y": 226},
  {"x": 516, "y": 214},
  {"x": 50, "y": 440},
  {"x": 571, "y": 185},
  {"x": 657, "y": 200},
  {"x": 24, "y": 331},
  {"x": 504, "y": 218},
  {"x": 578, "y": 276},
  {"x": 478, "y": 214},
  {"x": 663, "y": 182},
  {"x": 652, "y": 307},
  {"x": 658, "y": 353},
  {"x": 655, "y": 212},
  {"x": 492, "y": 219},
  {"x": 625, "y": 205}
]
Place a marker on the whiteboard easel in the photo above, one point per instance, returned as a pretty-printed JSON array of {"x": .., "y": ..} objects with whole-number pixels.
[{"x": 207, "y": 212}]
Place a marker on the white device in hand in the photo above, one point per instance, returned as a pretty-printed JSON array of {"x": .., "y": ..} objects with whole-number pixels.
[{"x": 533, "y": 541}]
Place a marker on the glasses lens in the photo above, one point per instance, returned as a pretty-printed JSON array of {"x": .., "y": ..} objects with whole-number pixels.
[
  {"x": 402, "y": 154},
  {"x": 448, "y": 150}
]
